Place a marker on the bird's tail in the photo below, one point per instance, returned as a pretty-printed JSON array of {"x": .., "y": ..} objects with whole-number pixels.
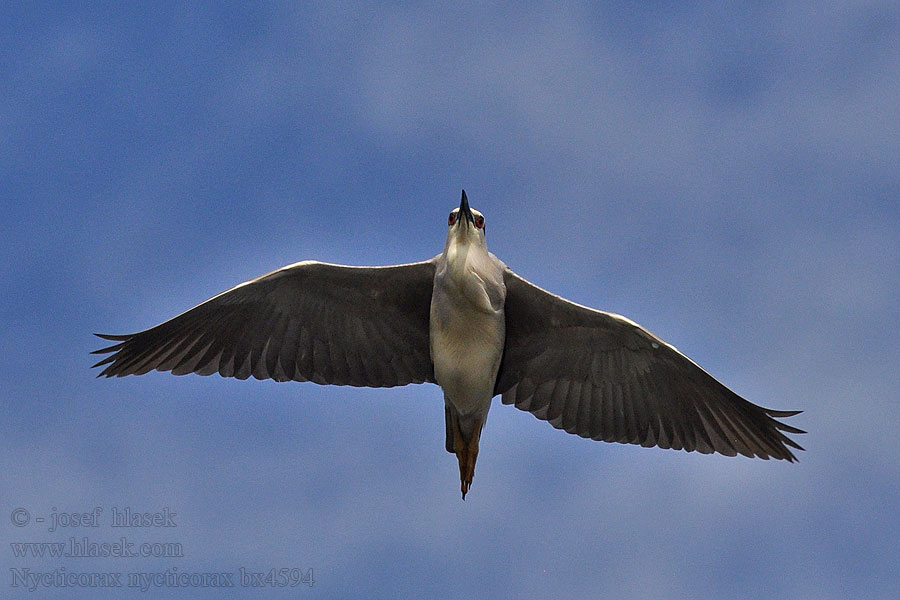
[{"x": 463, "y": 434}]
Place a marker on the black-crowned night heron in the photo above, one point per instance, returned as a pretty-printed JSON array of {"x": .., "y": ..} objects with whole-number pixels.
[{"x": 465, "y": 321}]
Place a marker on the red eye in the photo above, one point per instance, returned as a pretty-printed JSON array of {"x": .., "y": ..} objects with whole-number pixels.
[
  {"x": 479, "y": 221},
  {"x": 451, "y": 220}
]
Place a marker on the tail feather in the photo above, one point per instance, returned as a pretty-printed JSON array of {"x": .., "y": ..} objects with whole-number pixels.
[
  {"x": 463, "y": 434},
  {"x": 448, "y": 422}
]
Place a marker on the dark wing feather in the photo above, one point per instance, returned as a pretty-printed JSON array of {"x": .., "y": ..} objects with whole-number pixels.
[
  {"x": 602, "y": 376},
  {"x": 311, "y": 321}
]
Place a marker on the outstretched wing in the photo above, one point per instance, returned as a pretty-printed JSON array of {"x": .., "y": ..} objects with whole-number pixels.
[
  {"x": 310, "y": 321},
  {"x": 602, "y": 376}
]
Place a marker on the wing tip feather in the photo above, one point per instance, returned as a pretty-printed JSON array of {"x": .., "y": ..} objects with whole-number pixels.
[{"x": 115, "y": 337}]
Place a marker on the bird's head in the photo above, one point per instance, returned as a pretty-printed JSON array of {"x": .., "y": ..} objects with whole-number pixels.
[{"x": 465, "y": 225}]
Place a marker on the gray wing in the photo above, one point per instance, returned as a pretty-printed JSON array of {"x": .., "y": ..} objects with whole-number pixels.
[
  {"x": 311, "y": 321},
  {"x": 602, "y": 376}
]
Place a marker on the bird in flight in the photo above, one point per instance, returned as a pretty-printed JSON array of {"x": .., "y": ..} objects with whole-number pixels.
[{"x": 464, "y": 321}]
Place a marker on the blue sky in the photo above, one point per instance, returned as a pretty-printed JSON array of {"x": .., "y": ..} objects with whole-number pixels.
[{"x": 725, "y": 176}]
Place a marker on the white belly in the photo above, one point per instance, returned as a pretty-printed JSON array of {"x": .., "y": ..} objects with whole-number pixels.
[{"x": 466, "y": 351}]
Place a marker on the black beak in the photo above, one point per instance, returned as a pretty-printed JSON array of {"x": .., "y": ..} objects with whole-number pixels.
[{"x": 464, "y": 211}]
